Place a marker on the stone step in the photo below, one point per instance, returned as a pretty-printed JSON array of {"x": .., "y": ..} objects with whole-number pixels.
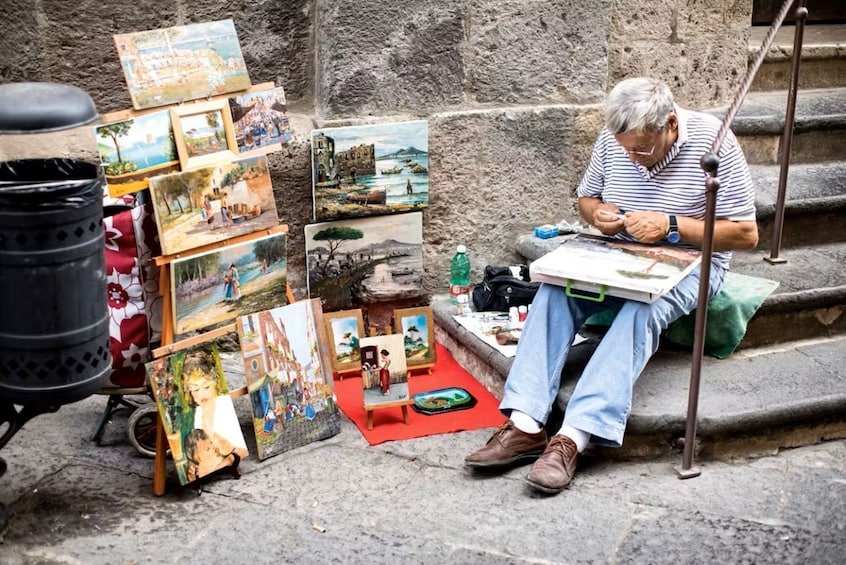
[
  {"x": 819, "y": 125},
  {"x": 810, "y": 301},
  {"x": 815, "y": 203},
  {"x": 823, "y": 57},
  {"x": 754, "y": 402}
]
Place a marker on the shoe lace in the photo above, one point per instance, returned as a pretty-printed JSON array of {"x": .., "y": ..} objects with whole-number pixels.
[
  {"x": 564, "y": 446},
  {"x": 503, "y": 428}
]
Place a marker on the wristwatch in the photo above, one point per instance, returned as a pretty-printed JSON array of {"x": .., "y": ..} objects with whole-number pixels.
[{"x": 673, "y": 235}]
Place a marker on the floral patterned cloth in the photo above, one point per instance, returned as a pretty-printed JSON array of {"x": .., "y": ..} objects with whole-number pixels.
[{"x": 132, "y": 278}]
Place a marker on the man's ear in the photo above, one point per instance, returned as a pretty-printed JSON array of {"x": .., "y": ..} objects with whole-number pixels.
[{"x": 672, "y": 121}]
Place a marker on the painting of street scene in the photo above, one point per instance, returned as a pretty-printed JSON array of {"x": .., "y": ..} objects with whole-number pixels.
[
  {"x": 136, "y": 149},
  {"x": 384, "y": 374},
  {"x": 177, "y": 64},
  {"x": 361, "y": 171},
  {"x": 199, "y": 418},
  {"x": 214, "y": 203},
  {"x": 289, "y": 384},
  {"x": 220, "y": 285},
  {"x": 260, "y": 119},
  {"x": 351, "y": 263}
]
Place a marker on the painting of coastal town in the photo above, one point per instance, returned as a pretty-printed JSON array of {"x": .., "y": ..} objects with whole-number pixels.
[
  {"x": 199, "y": 418},
  {"x": 177, "y": 64},
  {"x": 288, "y": 379},
  {"x": 351, "y": 263},
  {"x": 218, "y": 286},
  {"x": 213, "y": 203},
  {"x": 417, "y": 329},
  {"x": 384, "y": 373},
  {"x": 133, "y": 150},
  {"x": 344, "y": 330},
  {"x": 261, "y": 122},
  {"x": 371, "y": 170}
]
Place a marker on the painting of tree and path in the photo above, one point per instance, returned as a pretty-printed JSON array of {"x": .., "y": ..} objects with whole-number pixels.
[
  {"x": 211, "y": 204},
  {"x": 356, "y": 262}
]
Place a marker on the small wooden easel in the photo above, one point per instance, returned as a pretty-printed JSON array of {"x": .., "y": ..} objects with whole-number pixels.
[{"x": 168, "y": 347}]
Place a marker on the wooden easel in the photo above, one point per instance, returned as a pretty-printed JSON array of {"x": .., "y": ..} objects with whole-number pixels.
[{"x": 168, "y": 347}]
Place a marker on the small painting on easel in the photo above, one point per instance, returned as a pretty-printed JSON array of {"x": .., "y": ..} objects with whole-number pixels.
[
  {"x": 384, "y": 373},
  {"x": 199, "y": 417},
  {"x": 290, "y": 393},
  {"x": 345, "y": 329},
  {"x": 418, "y": 332}
]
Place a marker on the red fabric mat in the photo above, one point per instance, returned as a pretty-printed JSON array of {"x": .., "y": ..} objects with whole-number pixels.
[{"x": 387, "y": 422}]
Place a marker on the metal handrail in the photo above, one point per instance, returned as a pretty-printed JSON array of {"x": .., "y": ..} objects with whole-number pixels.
[{"x": 710, "y": 163}]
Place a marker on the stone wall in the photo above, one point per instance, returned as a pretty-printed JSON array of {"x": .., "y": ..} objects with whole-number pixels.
[{"x": 512, "y": 89}]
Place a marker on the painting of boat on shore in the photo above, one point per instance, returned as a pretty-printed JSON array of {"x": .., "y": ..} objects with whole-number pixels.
[
  {"x": 136, "y": 149},
  {"x": 177, "y": 64},
  {"x": 218, "y": 286},
  {"x": 288, "y": 379},
  {"x": 214, "y": 203},
  {"x": 351, "y": 263},
  {"x": 261, "y": 123},
  {"x": 370, "y": 170}
]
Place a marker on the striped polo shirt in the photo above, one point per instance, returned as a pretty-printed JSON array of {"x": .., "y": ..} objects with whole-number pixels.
[{"x": 676, "y": 184}]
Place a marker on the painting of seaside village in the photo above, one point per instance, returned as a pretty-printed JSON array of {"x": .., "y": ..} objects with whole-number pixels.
[
  {"x": 135, "y": 149},
  {"x": 218, "y": 286},
  {"x": 371, "y": 170},
  {"x": 261, "y": 123},
  {"x": 288, "y": 380},
  {"x": 214, "y": 203},
  {"x": 177, "y": 64},
  {"x": 351, "y": 263}
]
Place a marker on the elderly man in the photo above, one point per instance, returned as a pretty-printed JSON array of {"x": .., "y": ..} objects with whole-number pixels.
[{"x": 643, "y": 183}]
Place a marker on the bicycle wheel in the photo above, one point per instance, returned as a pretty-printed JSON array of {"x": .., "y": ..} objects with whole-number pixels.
[{"x": 142, "y": 426}]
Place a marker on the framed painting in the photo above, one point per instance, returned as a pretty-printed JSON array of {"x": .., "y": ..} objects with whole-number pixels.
[
  {"x": 344, "y": 331},
  {"x": 384, "y": 373},
  {"x": 199, "y": 418},
  {"x": 134, "y": 149},
  {"x": 212, "y": 204},
  {"x": 370, "y": 170},
  {"x": 177, "y": 64},
  {"x": 351, "y": 263},
  {"x": 418, "y": 332},
  {"x": 260, "y": 120},
  {"x": 204, "y": 133},
  {"x": 288, "y": 380},
  {"x": 218, "y": 286}
]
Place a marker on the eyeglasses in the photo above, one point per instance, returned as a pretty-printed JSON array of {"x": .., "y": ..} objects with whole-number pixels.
[{"x": 642, "y": 153}]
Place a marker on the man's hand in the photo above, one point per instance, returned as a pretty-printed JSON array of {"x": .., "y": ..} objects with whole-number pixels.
[
  {"x": 608, "y": 219},
  {"x": 647, "y": 227}
]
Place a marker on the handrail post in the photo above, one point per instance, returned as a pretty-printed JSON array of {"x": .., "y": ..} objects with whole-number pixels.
[
  {"x": 710, "y": 163},
  {"x": 787, "y": 136}
]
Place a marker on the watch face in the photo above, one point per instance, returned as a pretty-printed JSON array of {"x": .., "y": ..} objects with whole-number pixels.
[{"x": 673, "y": 237}]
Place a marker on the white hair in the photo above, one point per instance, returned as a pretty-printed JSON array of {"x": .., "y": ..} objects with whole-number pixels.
[{"x": 638, "y": 104}]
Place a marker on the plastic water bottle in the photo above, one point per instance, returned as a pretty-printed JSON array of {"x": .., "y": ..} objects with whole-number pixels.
[{"x": 459, "y": 274}]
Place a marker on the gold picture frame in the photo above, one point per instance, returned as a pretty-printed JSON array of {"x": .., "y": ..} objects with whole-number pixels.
[
  {"x": 204, "y": 133},
  {"x": 344, "y": 330},
  {"x": 417, "y": 328}
]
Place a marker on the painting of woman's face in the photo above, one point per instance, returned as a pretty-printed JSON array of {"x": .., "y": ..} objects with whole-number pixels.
[{"x": 202, "y": 390}]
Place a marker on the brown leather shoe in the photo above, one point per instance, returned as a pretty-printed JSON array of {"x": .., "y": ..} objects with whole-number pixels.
[
  {"x": 508, "y": 445},
  {"x": 555, "y": 468}
]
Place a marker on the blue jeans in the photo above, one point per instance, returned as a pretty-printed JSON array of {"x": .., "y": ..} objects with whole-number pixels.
[{"x": 602, "y": 399}]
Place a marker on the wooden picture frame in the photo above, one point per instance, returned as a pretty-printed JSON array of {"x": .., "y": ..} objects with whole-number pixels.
[
  {"x": 419, "y": 341},
  {"x": 344, "y": 330},
  {"x": 204, "y": 133}
]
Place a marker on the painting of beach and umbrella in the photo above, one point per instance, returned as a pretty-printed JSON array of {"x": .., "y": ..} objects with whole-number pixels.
[
  {"x": 289, "y": 383},
  {"x": 370, "y": 170},
  {"x": 212, "y": 204},
  {"x": 351, "y": 263},
  {"x": 136, "y": 149},
  {"x": 218, "y": 286},
  {"x": 182, "y": 63},
  {"x": 261, "y": 123}
]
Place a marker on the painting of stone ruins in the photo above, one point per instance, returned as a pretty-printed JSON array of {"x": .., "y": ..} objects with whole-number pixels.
[
  {"x": 371, "y": 170},
  {"x": 352, "y": 263}
]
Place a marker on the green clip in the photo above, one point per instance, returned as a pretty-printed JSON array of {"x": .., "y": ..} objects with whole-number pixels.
[{"x": 572, "y": 294}]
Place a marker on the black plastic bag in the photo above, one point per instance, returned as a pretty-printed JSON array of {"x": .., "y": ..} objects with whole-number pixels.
[{"x": 500, "y": 289}]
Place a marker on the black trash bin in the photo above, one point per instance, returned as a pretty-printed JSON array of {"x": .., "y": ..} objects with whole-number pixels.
[{"x": 54, "y": 328}]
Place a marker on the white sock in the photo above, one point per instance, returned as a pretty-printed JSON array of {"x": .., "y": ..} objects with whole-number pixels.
[
  {"x": 524, "y": 422},
  {"x": 580, "y": 438}
]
